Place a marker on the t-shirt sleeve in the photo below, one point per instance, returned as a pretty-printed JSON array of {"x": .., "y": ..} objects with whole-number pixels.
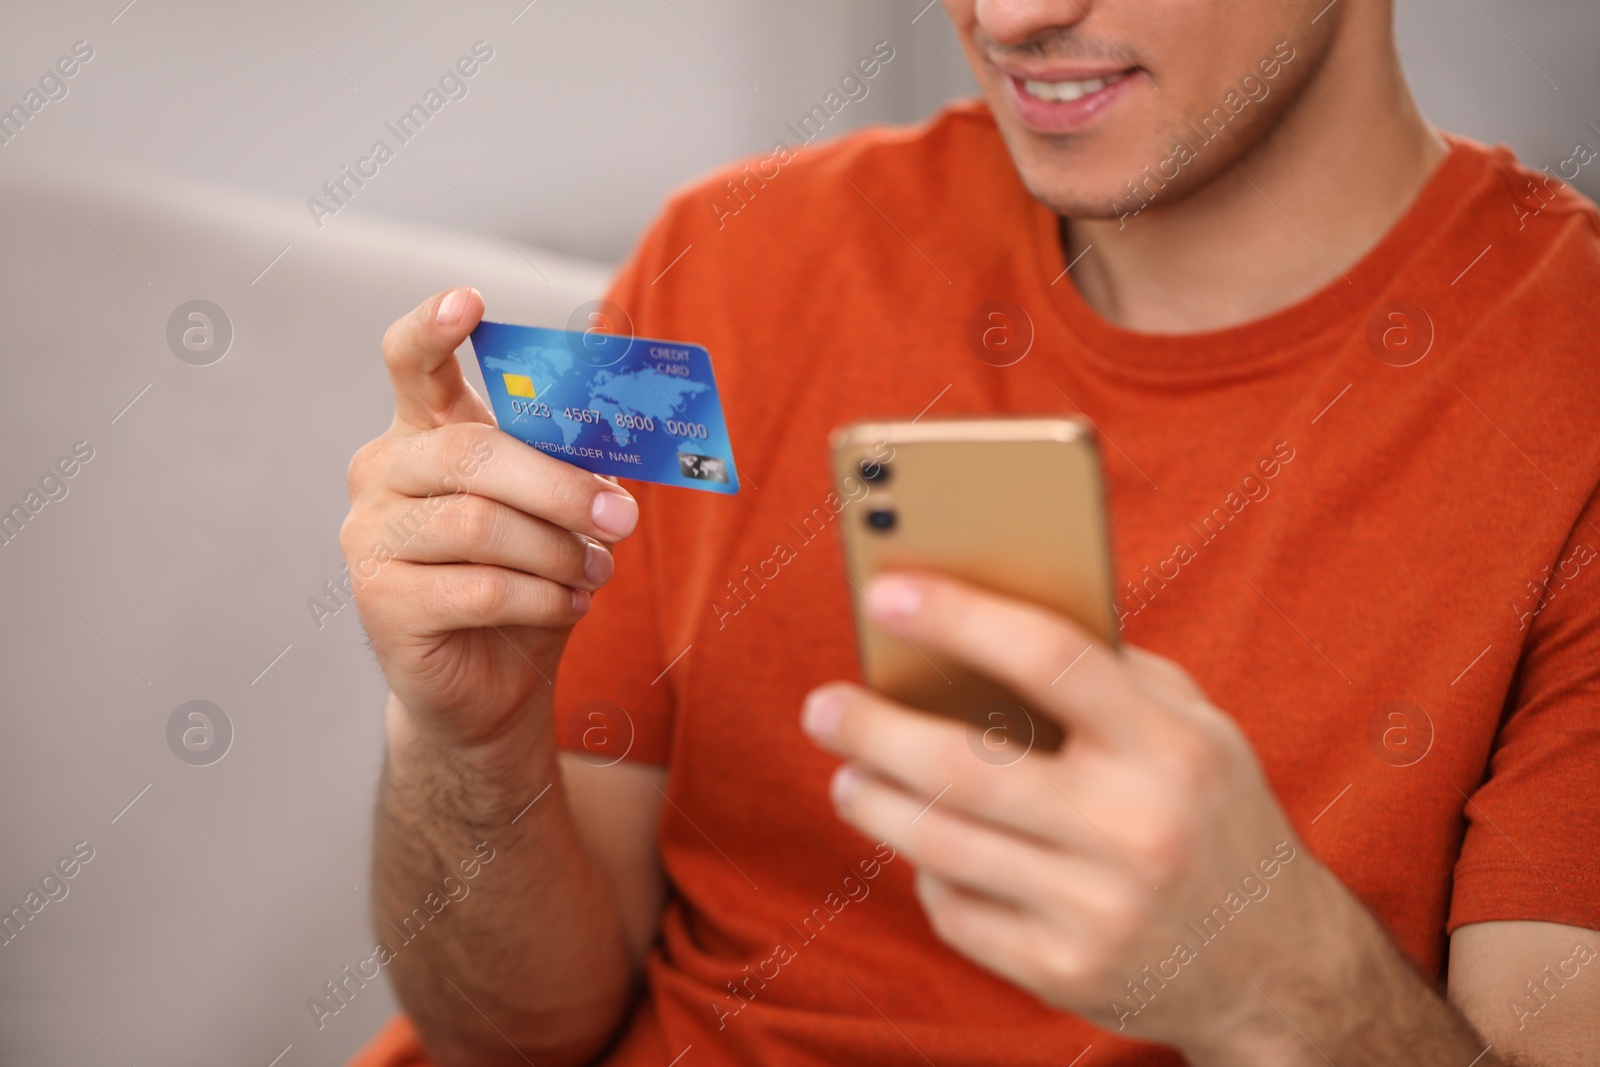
[
  {"x": 1532, "y": 847},
  {"x": 610, "y": 701}
]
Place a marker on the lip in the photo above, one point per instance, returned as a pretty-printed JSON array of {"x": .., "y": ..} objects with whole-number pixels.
[{"x": 1065, "y": 116}]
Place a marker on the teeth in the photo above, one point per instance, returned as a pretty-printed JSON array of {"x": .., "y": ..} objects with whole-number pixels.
[{"x": 1067, "y": 91}]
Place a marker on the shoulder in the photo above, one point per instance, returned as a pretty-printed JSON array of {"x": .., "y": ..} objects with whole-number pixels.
[
  {"x": 769, "y": 239},
  {"x": 1542, "y": 222},
  {"x": 937, "y": 148},
  {"x": 1514, "y": 287},
  {"x": 797, "y": 195},
  {"x": 1520, "y": 252}
]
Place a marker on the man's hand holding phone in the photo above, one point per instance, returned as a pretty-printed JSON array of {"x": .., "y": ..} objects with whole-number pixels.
[{"x": 1077, "y": 874}]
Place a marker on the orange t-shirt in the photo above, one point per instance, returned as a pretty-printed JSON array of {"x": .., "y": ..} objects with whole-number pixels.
[{"x": 1367, "y": 524}]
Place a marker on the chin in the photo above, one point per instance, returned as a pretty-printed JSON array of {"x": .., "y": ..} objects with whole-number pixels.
[
  {"x": 1092, "y": 171},
  {"x": 1076, "y": 184},
  {"x": 1093, "y": 177}
]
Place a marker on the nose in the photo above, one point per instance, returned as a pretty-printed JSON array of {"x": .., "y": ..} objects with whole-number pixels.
[{"x": 1014, "y": 22}]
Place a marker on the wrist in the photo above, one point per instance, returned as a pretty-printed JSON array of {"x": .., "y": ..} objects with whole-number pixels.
[
  {"x": 1305, "y": 988},
  {"x": 483, "y": 783}
]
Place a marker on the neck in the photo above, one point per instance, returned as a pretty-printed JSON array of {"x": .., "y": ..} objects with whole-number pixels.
[{"x": 1286, "y": 219}]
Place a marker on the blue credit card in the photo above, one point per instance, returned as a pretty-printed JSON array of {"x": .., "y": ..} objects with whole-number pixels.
[{"x": 623, "y": 406}]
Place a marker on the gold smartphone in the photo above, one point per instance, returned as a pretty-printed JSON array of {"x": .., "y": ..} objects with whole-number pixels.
[{"x": 1013, "y": 504}]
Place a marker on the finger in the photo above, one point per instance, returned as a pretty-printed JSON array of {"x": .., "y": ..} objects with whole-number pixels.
[
  {"x": 1049, "y": 661},
  {"x": 467, "y": 528},
  {"x": 931, "y": 755},
  {"x": 1163, "y": 677},
  {"x": 490, "y": 463},
  {"x": 420, "y": 352},
  {"x": 1000, "y": 937},
  {"x": 936, "y": 837},
  {"x": 468, "y": 596}
]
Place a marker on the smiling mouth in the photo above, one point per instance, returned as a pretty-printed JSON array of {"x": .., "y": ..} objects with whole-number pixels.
[{"x": 1067, "y": 91}]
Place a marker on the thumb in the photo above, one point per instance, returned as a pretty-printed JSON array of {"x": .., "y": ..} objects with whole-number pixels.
[{"x": 420, "y": 352}]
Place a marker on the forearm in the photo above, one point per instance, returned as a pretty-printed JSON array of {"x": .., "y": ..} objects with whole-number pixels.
[
  {"x": 1345, "y": 993},
  {"x": 531, "y": 961}
]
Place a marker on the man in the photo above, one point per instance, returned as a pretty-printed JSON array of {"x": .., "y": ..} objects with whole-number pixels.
[{"x": 1341, "y": 367}]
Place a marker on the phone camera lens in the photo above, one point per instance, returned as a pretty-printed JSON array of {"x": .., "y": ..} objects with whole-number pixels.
[
  {"x": 874, "y": 471},
  {"x": 881, "y": 519}
]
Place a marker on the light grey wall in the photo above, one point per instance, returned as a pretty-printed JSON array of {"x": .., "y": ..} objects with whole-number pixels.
[
  {"x": 179, "y": 564},
  {"x": 568, "y": 137},
  {"x": 1522, "y": 72}
]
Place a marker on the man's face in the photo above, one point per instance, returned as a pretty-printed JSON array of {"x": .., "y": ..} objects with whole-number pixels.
[{"x": 1092, "y": 95}]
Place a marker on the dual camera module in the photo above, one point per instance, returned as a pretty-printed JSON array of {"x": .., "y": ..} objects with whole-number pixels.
[{"x": 876, "y": 474}]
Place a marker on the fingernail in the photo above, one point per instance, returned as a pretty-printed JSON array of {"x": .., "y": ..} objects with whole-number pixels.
[
  {"x": 821, "y": 714},
  {"x": 449, "y": 310},
  {"x": 895, "y": 597},
  {"x": 615, "y": 513},
  {"x": 597, "y": 564},
  {"x": 581, "y": 603},
  {"x": 843, "y": 786}
]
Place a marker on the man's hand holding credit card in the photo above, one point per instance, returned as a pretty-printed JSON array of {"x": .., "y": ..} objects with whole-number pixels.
[
  {"x": 616, "y": 405},
  {"x": 471, "y": 554}
]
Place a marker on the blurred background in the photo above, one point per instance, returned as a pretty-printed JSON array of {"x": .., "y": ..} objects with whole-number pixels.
[{"x": 180, "y": 561}]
